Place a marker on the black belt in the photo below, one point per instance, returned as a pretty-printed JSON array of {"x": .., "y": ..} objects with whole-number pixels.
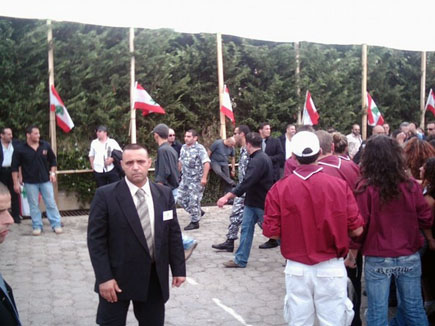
[{"x": 7, "y": 168}]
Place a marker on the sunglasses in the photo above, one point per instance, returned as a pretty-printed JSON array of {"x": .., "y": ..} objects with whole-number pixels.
[{"x": 171, "y": 135}]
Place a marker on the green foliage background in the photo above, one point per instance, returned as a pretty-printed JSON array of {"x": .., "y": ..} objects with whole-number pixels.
[{"x": 92, "y": 67}]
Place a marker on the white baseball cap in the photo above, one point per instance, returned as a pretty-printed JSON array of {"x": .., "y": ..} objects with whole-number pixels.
[{"x": 305, "y": 144}]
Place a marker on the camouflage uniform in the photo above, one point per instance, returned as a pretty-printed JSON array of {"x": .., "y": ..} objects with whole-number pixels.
[
  {"x": 239, "y": 202},
  {"x": 190, "y": 190}
]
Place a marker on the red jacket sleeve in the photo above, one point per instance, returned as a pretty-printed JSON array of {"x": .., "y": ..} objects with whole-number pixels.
[{"x": 272, "y": 214}]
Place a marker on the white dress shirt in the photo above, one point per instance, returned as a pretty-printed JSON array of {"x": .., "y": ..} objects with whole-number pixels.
[{"x": 7, "y": 155}]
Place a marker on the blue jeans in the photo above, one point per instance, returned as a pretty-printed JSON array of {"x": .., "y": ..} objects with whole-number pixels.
[
  {"x": 407, "y": 272},
  {"x": 251, "y": 215},
  {"x": 187, "y": 241},
  {"x": 46, "y": 190}
]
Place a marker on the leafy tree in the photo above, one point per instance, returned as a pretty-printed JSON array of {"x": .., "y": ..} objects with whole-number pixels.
[{"x": 92, "y": 75}]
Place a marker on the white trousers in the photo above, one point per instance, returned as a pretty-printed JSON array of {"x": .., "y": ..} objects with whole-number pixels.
[{"x": 317, "y": 292}]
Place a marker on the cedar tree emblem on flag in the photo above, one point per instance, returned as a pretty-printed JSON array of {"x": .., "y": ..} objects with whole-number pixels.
[
  {"x": 63, "y": 119},
  {"x": 374, "y": 116}
]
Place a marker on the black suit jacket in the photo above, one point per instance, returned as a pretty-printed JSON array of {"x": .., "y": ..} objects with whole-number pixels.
[
  {"x": 276, "y": 153},
  {"x": 7, "y": 313},
  {"x": 117, "y": 244}
]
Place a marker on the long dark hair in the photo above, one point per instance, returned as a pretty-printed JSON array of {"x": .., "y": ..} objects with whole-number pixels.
[
  {"x": 429, "y": 176},
  {"x": 382, "y": 166}
]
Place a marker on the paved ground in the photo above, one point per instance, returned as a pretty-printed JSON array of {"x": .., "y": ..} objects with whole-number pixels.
[{"x": 52, "y": 278}]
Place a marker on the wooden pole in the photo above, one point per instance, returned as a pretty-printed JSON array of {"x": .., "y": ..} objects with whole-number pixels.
[
  {"x": 298, "y": 81},
  {"x": 50, "y": 83},
  {"x": 364, "y": 92},
  {"x": 52, "y": 127},
  {"x": 422, "y": 88},
  {"x": 132, "y": 88},
  {"x": 223, "y": 132}
]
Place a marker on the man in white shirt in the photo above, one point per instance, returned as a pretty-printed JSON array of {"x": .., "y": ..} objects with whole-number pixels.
[
  {"x": 100, "y": 157},
  {"x": 354, "y": 140},
  {"x": 8, "y": 145}
]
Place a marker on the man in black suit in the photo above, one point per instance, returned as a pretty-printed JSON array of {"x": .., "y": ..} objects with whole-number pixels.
[
  {"x": 8, "y": 309},
  {"x": 7, "y": 148},
  {"x": 133, "y": 239},
  {"x": 272, "y": 147}
]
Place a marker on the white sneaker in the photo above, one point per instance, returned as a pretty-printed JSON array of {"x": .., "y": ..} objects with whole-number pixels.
[
  {"x": 58, "y": 230},
  {"x": 36, "y": 232}
]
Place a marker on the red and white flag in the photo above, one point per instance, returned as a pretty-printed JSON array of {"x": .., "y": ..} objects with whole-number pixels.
[
  {"x": 310, "y": 115},
  {"x": 430, "y": 104},
  {"x": 227, "y": 108},
  {"x": 63, "y": 119},
  {"x": 374, "y": 116},
  {"x": 143, "y": 101}
]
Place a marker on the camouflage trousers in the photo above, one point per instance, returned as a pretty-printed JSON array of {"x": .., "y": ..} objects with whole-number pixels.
[
  {"x": 236, "y": 217},
  {"x": 189, "y": 197}
]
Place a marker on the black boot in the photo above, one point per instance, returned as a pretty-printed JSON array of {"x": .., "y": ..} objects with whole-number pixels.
[
  {"x": 228, "y": 245},
  {"x": 192, "y": 226},
  {"x": 271, "y": 243}
]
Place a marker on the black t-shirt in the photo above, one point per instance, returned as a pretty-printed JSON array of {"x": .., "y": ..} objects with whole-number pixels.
[{"x": 35, "y": 165}]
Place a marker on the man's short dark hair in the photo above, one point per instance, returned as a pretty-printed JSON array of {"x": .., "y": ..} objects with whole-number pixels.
[
  {"x": 307, "y": 159},
  {"x": 4, "y": 130},
  {"x": 193, "y": 132},
  {"x": 133, "y": 147},
  {"x": 30, "y": 128},
  {"x": 263, "y": 124},
  {"x": 254, "y": 139},
  {"x": 245, "y": 129}
]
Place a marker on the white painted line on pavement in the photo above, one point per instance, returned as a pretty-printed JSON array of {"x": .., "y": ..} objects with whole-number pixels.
[
  {"x": 231, "y": 312},
  {"x": 191, "y": 281}
]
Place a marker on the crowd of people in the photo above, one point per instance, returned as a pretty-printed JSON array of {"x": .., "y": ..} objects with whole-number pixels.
[{"x": 335, "y": 204}]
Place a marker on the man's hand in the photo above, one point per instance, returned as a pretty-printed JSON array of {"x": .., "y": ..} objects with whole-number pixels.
[
  {"x": 203, "y": 182},
  {"x": 350, "y": 260},
  {"x": 401, "y": 138},
  {"x": 222, "y": 201},
  {"x": 233, "y": 173},
  {"x": 108, "y": 161},
  {"x": 17, "y": 188},
  {"x": 52, "y": 177},
  {"x": 108, "y": 290},
  {"x": 178, "y": 280}
]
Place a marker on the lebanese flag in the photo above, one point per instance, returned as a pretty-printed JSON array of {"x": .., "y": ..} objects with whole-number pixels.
[
  {"x": 374, "y": 116},
  {"x": 430, "y": 104},
  {"x": 226, "y": 107},
  {"x": 143, "y": 101},
  {"x": 310, "y": 115},
  {"x": 63, "y": 119}
]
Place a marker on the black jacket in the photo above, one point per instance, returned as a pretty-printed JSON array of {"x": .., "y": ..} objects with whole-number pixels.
[
  {"x": 276, "y": 153},
  {"x": 8, "y": 317},
  {"x": 257, "y": 181},
  {"x": 117, "y": 244}
]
